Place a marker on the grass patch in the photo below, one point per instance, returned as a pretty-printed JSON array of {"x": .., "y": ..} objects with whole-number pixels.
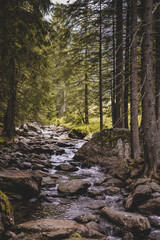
[{"x": 93, "y": 126}]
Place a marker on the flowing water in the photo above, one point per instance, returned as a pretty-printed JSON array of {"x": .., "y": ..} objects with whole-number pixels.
[{"x": 56, "y": 206}]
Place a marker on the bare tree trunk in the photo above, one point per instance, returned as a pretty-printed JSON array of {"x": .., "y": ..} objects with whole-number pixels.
[
  {"x": 135, "y": 143},
  {"x": 100, "y": 68},
  {"x": 9, "y": 118},
  {"x": 113, "y": 96},
  {"x": 150, "y": 129},
  {"x": 119, "y": 65},
  {"x": 157, "y": 67},
  {"x": 86, "y": 99},
  {"x": 127, "y": 66}
]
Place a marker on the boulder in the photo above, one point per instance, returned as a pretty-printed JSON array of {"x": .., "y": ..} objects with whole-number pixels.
[
  {"x": 140, "y": 195},
  {"x": 85, "y": 218},
  {"x": 77, "y": 133},
  {"x": 22, "y": 182},
  {"x": 154, "y": 235},
  {"x": 6, "y": 214},
  {"x": 113, "y": 182},
  {"x": 66, "y": 167},
  {"x": 102, "y": 180},
  {"x": 103, "y": 148},
  {"x": 91, "y": 229},
  {"x": 48, "y": 228},
  {"x": 152, "y": 206},
  {"x": 112, "y": 191},
  {"x": 48, "y": 182},
  {"x": 133, "y": 222},
  {"x": 122, "y": 172},
  {"x": 73, "y": 187}
]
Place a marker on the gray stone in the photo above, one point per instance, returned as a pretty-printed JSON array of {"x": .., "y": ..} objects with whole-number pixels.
[
  {"x": 85, "y": 218},
  {"x": 66, "y": 167},
  {"x": 152, "y": 206},
  {"x": 22, "y": 182},
  {"x": 154, "y": 235},
  {"x": 49, "y": 228},
  {"x": 139, "y": 196},
  {"x": 112, "y": 190},
  {"x": 154, "y": 186},
  {"x": 48, "y": 182},
  {"x": 114, "y": 182},
  {"x": 73, "y": 187},
  {"x": 133, "y": 222}
]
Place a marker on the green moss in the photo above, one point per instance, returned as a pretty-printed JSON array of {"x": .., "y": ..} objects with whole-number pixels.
[
  {"x": 76, "y": 235},
  {"x": 111, "y": 137},
  {"x": 5, "y": 205}
]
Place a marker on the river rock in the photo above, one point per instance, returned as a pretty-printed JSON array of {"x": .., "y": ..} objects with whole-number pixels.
[
  {"x": 154, "y": 221},
  {"x": 73, "y": 187},
  {"x": 140, "y": 195},
  {"x": 133, "y": 222},
  {"x": 45, "y": 149},
  {"x": 122, "y": 172},
  {"x": 102, "y": 180},
  {"x": 112, "y": 190},
  {"x": 85, "y": 218},
  {"x": 48, "y": 182},
  {"x": 6, "y": 214},
  {"x": 22, "y": 182},
  {"x": 154, "y": 186},
  {"x": 48, "y": 228},
  {"x": 91, "y": 229},
  {"x": 95, "y": 194},
  {"x": 113, "y": 182},
  {"x": 66, "y": 167},
  {"x": 154, "y": 235},
  {"x": 31, "y": 127},
  {"x": 60, "y": 151},
  {"x": 77, "y": 133},
  {"x": 152, "y": 206}
]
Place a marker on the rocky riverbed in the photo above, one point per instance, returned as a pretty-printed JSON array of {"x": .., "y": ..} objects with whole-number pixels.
[{"x": 65, "y": 188}]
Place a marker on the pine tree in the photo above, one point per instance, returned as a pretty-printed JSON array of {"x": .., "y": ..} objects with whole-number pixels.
[{"x": 150, "y": 130}]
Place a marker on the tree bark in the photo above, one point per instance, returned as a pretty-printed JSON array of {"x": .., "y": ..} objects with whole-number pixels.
[
  {"x": 157, "y": 67},
  {"x": 119, "y": 65},
  {"x": 100, "y": 67},
  {"x": 135, "y": 142},
  {"x": 150, "y": 129},
  {"x": 127, "y": 66},
  {"x": 113, "y": 95},
  {"x": 9, "y": 118},
  {"x": 86, "y": 100}
]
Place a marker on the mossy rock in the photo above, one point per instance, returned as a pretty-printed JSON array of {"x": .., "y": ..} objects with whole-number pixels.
[
  {"x": 77, "y": 133},
  {"x": 111, "y": 136},
  {"x": 6, "y": 214},
  {"x": 5, "y": 205}
]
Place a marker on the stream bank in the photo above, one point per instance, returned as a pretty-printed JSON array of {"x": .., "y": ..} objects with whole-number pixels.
[{"x": 63, "y": 188}]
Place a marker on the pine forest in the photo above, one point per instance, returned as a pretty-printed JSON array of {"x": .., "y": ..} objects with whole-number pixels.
[{"x": 80, "y": 119}]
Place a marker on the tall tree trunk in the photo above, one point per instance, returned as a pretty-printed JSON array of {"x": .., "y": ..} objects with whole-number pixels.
[
  {"x": 150, "y": 129},
  {"x": 86, "y": 99},
  {"x": 113, "y": 96},
  {"x": 157, "y": 77},
  {"x": 119, "y": 65},
  {"x": 127, "y": 66},
  {"x": 135, "y": 143},
  {"x": 100, "y": 66},
  {"x": 9, "y": 118},
  {"x": 86, "y": 118}
]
